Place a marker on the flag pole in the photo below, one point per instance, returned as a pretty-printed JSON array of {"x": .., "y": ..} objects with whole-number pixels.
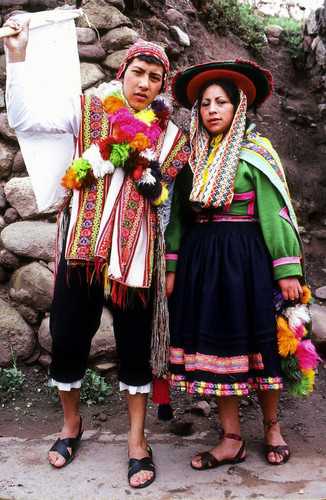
[{"x": 43, "y": 18}]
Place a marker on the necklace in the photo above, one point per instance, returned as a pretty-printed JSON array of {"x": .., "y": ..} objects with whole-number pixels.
[{"x": 131, "y": 146}]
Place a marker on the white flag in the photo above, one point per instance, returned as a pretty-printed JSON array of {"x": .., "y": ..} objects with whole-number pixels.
[{"x": 53, "y": 68}]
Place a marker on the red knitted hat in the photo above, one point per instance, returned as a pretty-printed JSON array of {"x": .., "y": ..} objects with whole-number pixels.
[{"x": 143, "y": 47}]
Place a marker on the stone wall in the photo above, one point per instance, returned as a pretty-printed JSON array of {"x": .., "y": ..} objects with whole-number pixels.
[
  {"x": 292, "y": 9},
  {"x": 314, "y": 41}
]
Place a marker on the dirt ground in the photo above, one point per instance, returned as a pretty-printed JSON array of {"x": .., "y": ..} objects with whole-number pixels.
[{"x": 33, "y": 413}]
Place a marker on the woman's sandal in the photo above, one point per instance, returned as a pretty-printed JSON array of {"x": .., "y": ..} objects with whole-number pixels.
[
  {"x": 208, "y": 461},
  {"x": 281, "y": 449},
  {"x": 62, "y": 445},
  {"x": 135, "y": 465}
]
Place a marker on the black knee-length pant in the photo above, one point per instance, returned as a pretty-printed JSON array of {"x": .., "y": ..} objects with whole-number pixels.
[{"x": 75, "y": 318}]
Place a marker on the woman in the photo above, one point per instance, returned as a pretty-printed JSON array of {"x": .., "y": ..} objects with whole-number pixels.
[{"x": 240, "y": 241}]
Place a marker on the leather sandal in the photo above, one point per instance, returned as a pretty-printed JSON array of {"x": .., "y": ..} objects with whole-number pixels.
[
  {"x": 62, "y": 445},
  {"x": 281, "y": 449},
  {"x": 208, "y": 461},
  {"x": 135, "y": 465}
]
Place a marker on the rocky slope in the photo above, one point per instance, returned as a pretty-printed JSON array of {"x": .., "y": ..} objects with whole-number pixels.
[{"x": 293, "y": 119}]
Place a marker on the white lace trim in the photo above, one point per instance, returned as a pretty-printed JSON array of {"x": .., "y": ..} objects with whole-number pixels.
[
  {"x": 133, "y": 389},
  {"x": 62, "y": 386}
]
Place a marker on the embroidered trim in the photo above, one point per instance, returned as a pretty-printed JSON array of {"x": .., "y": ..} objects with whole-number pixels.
[
  {"x": 286, "y": 260},
  {"x": 250, "y": 195},
  {"x": 171, "y": 256}
]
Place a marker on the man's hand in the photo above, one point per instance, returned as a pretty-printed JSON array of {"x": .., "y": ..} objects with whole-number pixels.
[
  {"x": 16, "y": 44},
  {"x": 169, "y": 283},
  {"x": 290, "y": 288}
]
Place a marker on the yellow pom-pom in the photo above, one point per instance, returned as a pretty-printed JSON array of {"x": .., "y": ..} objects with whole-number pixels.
[
  {"x": 306, "y": 295},
  {"x": 146, "y": 116},
  {"x": 287, "y": 343},
  {"x": 163, "y": 197}
]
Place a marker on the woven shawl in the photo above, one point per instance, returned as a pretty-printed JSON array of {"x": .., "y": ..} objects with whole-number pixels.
[
  {"x": 213, "y": 184},
  {"x": 259, "y": 152}
]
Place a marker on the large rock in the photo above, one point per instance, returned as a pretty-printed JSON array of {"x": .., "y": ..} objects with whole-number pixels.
[
  {"x": 318, "y": 314},
  {"x": 86, "y": 35},
  {"x": 7, "y": 154},
  {"x": 113, "y": 61},
  {"x": 91, "y": 53},
  {"x": 119, "y": 39},
  {"x": 5, "y": 130},
  {"x": 103, "y": 344},
  {"x": 19, "y": 193},
  {"x": 104, "y": 16},
  {"x": 34, "y": 239},
  {"x": 16, "y": 336},
  {"x": 91, "y": 74},
  {"x": 32, "y": 286}
]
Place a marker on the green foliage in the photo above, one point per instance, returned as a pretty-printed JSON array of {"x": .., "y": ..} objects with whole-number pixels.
[
  {"x": 292, "y": 38},
  {"x": 94, "y": 388},
  {"x": 222, "y": 16},
  {"x": 287, "y": 23},
  {"x": 11, "y": 381}
]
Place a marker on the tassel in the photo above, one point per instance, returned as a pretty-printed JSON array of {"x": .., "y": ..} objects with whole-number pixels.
[{"x": 161, "y": 396}]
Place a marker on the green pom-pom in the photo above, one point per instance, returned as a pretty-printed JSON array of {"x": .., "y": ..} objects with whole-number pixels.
[
  {"x": 81, "y": 167},
  {"x": 119, "y": 154},
  {"x": 290, "y": 368},
  {"x": 301, "y": 388}
]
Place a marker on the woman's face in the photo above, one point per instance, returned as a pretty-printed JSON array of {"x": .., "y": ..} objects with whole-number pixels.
[{"x": 216, "y": 110}]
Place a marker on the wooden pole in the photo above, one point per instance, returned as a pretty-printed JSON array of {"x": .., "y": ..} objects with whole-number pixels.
[{"x": 43, "y": 18}]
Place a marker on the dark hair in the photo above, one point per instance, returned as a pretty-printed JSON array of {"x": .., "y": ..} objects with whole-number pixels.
[
  {"x": 148, "y": 60},
  {"x": 229, "y": 88}
]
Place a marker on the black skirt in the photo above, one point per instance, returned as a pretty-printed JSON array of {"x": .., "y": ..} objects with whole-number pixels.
[{"x": 222, "y": 319}]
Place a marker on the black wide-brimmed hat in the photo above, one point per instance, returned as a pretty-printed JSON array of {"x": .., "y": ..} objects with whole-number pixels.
[{"x": 256, "y": 82}]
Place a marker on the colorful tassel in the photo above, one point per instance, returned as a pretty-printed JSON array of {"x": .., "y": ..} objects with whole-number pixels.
[{"x": 299, "y": 359}]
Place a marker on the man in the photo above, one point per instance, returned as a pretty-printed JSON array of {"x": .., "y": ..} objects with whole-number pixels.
[{"x": 128, "y": 155}]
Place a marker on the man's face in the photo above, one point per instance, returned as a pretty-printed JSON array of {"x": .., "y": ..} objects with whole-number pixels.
[{"x": 142, "y": 82}]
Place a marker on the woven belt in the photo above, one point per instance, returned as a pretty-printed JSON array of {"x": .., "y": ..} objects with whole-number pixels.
[{"x": 213, "y": 217}]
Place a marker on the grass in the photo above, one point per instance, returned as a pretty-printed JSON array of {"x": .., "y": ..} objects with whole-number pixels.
[
  {"x": 11, "y": 380},
  {"x": 93, "y": 390}
]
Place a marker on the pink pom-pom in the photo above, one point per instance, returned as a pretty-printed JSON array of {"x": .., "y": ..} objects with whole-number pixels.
[
  {"x": 299, "y": 331},
  {"x": 308, "y": 357}
]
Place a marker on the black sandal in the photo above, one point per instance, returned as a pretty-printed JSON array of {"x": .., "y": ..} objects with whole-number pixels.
[
  {"x": 208, "y": 461},
  {"x": 62, "y": 445},
  {"x": 280, "y": 449},
  {"x": 135, "y": 465}
]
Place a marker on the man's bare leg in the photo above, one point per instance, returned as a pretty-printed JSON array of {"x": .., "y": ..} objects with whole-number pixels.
[
  {"x": 70, "y": 406},
  {"x": 137, "y": 442}
]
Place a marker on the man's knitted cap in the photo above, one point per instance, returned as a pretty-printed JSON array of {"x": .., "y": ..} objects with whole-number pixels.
[{"x": 143, "y": 47}]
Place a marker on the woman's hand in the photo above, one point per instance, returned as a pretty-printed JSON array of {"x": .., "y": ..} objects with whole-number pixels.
[
  {"x": 169, "y": 283},
  {"x": 290, "y": 288},
  {"x": 16, "y": 44}
]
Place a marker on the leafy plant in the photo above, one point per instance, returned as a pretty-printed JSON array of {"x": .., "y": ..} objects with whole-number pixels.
[
  {"x": 93, "y": 390},
  {"x": 292, "y": 37},
  {"x": 222, "y": 16},
  {"x": 11, "y": 380}
]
